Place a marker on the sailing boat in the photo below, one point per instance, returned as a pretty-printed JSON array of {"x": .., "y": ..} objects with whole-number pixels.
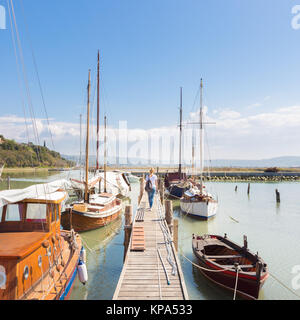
[
  {"x": 176, "y": 182},
  {"x": 197, "y": 201},
  {"x": 95, "y": 210}
]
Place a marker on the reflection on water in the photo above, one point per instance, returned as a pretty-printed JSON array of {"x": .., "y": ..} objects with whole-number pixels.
[{"x": 272, "y": 230}]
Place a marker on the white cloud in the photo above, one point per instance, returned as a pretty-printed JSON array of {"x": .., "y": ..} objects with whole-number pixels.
[
  {"x": 260, "y": 103},
  {"x": 234, "y": 135}
]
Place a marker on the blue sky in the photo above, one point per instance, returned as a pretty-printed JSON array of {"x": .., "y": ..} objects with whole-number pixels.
[{"x": 246, "y": 51}]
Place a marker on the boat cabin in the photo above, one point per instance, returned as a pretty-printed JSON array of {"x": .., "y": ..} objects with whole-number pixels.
[{"x": 29, "y": 240}]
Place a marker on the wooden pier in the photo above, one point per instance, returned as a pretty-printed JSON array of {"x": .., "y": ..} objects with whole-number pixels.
[{"x": 148, "y": 271}]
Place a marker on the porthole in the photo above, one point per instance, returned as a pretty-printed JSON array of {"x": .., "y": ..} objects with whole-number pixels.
[
  {"x": 40, "y": 261},
  {"x": 26, "y": 272}
]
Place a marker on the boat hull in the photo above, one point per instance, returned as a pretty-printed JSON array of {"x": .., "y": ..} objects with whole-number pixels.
[
  {"x": 201, "y": 209},
  {"x": 176, "y": 191},
  {"x": 248, "y": 283},
  {"x": 82, "y": 222}
]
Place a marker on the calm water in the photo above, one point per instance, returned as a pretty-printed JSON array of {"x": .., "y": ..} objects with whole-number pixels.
[{"x": 273, "y": 230}]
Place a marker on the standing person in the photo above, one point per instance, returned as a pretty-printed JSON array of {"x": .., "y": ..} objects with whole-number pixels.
[{"x": 151, "y": 186}]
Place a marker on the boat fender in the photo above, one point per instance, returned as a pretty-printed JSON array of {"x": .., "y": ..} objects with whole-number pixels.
[
  {"x": 82, "y": 272},
  {"x": 83, "y": 255}
]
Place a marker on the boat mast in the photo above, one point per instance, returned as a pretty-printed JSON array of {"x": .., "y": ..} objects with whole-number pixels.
[
  {"x": 98, "y": 112},
  {"x": 87, "y": 142},
  {"x": 193, "y": 153},
  {"x": 105, "y": 153},
  {"x": 180, "y": 142},
  {"x": 201, "y": 138},
  {"x": 80, "y": 157}
]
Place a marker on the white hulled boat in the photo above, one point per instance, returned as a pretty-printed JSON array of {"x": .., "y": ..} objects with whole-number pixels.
[{"x": 197, "y": 201}]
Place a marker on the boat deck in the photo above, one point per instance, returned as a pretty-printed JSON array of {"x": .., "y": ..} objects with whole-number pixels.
[{"x": 143, "y": 276}]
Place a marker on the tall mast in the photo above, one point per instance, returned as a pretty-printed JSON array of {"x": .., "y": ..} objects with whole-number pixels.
[
  {"x": 98, "y": 112},
  {"x": 87, "y": 142},
  {"x": 105, "y": 153},
  {"x": 80, "y": 157},
  {"x": 201, "y": 137},
  {"x": 180, "y": 142},
  {"x": 193, "y": 153}
]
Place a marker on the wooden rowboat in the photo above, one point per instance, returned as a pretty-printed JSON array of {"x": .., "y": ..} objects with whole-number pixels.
[
  {"x": 216, "y": 253},
  {"x": 101, "y": 210},
  {"x": 38, "y": 260}
]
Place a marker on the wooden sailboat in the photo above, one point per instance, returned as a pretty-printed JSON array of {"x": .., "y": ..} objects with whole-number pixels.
[
  {"x": 243, "y": 270},
  {"x": 176, "y": 182},
  {"x": 96, "y": 209},
  {"x": 196, "y": 200},
  {"x": 38, "y": 260}
]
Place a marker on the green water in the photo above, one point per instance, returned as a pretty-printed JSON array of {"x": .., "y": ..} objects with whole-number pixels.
[{"x": 273, "y": 230}]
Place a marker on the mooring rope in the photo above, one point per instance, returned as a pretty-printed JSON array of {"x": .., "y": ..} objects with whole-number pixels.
[
  {"x": 167, "y": 236},
  {"x": 236, "y": 282}
]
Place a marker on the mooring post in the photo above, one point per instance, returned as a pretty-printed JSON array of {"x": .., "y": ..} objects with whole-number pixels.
[
  {"x": 169, "y": 214},
  {"x": 8, "y": 183},
  {"x": 236, "y": 188},
  {"x": 175, "y": 234},
  {"x": 248, "y": 192},
  {"x": 127, "y": 228},
  {"x": 161, "y": 188},
  {"x": 277, "y": 196},
  {"x": 142, "y": 181}
]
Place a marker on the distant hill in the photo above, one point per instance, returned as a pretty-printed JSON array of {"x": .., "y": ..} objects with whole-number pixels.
[
  {"x": 286, "y": 162},
  {"x": 14, "y": 154}
]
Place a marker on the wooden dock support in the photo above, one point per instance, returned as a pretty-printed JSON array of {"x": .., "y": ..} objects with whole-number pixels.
[
  {"x": 236, "y": 188},
  {"x": 248, "y": 191},
  {"x": 277, "y": 196},
  {"x": 161, "y": 188},
  {"x": 169, "y": 214},
  {"x": 127, "y": 228},
  {"x": 142, "y": 187}
]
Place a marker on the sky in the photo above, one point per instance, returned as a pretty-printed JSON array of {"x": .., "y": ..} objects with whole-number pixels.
[{"x": 246, "y": 51}]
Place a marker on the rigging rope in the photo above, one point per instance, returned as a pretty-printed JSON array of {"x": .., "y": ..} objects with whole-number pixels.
[
  {"x": 35, "y": 130},
  {"x": 37, "y": 74}
]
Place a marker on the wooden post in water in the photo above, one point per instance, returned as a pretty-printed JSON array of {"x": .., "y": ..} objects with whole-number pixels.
[
  {"x": 248, "y": 192},
  {"x": 236, "y": 188},
  {"x": 127, "y": 228},
  {"x": 175, "y": 234},
  {"x": 161, "y": 188},
  {"x": 8, "y": 182},
  {"x": 169, "y": 214},
  {"x": 277, "y": 196},
  {"x": 142, "y": 182}
]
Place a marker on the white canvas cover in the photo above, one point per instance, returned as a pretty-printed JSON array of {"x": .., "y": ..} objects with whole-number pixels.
[
  {"x": 47, "y": 191},
  {"x": 115, "y": 183}
]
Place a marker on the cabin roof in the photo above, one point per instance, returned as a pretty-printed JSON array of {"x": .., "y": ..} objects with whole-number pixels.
[
  {"x": 55, "y": 197},
  {"x": 19, "y": 244}
]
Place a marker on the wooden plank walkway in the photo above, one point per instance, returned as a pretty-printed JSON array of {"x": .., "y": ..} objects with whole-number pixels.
[{"x": 143, "y": 276}]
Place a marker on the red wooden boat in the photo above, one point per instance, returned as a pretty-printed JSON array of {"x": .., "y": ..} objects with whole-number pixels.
[
  {"x": 219, "y": 253},
  {"x": 38, "y": 261}
]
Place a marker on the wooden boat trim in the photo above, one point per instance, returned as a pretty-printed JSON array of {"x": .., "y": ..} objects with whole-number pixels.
[{"x": 109, "y": 212}]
